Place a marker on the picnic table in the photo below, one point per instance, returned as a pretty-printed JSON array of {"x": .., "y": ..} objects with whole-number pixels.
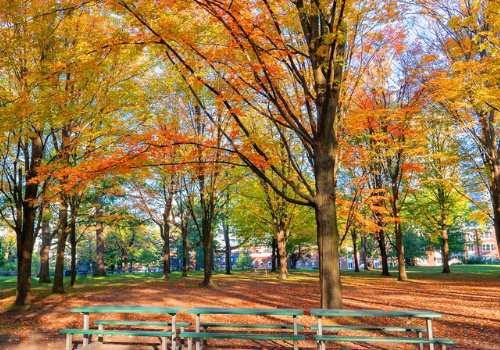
[
  {"x": 260, "y": 270},
  {"x": 424, "y": 314},
  {"x": 198, "y": 311},
  {"x": 123, "y": 309}
]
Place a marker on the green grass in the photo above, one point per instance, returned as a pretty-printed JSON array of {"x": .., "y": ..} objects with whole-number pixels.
[{"x": 89, "y": 284}]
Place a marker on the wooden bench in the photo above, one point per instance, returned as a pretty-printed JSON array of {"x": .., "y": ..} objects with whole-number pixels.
[
  {"x": 420, "y": 340},
  {"x": 102, "y": 323},
  {"x": 441, "y": 341},
  {"x": 260, "y": 270},
  {"x": 243, "y": 311},
  {"x": 137, "y": 333}
]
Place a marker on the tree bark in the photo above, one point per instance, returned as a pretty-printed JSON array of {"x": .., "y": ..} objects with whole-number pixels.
[
  {"x": 273, "y": 254},
  {"x": 26, "y": 217},
  {"x": 62, "y": 235},
  {"x": 383, "y": 253},
  {"x": 400, "y": 248},
  {"x": 100, "y": 269},
  {"x": 444, "y": 236},
  {"x": 227, "y": 243},
  {"x": 185, "y": 251},
  {"x": 283, "y": 254},
  {"x": 364, "y": 252},
  {"x": 72, "y": 238},
  {"x": 355, "y": 250},
  {"x": 44, "y": 275}
]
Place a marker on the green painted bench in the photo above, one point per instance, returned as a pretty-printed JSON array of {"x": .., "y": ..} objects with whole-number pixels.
[
  {"x": 198, "y": 335},
  {"x": 138, "y": 333},
  {"x": 441, "y": 341},
  {"x": 418, "y": 314},
  {"x": 251, "y": 336}
]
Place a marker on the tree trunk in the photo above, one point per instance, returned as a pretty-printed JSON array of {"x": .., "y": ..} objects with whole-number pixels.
[
  {"x": 185, "y": 252},
  {"x": 273, "y": 255},
  {"x": 364, "y": 252},
  {"x": 62, "y": 235},
  {"x": 227, "y": 243},
  {"x": 166, "y": 250},
  {"x": 355, "y": 250},
  {"x": 326, "y": 219},
  {"x": 444, "y": 236},
  {"x": 44, "y": 275},
  {"x": 72, "y": 239},
  {"x": 283, "y": 254},
  {"x": 383, "y": 253},
  {"x": 100, "y": 269},
  {"x": 26, "y": 232},
  {"x": 207, "y": 257},
  {"x": 400, "y": 248}
]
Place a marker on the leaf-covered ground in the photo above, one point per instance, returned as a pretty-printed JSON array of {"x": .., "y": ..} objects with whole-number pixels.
[{"x": 468, "y": 298}]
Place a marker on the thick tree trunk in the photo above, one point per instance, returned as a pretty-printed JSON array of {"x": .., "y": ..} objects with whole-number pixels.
[
  {"x": 401, "y": 253},
  {"x": 273, "y": 255},
  {"x": 355, "y": 250},
  {"x": 207, "y": 257},
  {"x": 326, "y": 220},
  {"x": 227, "y": 243},
  {"x": 100, "y": 269},
  {"x": 364, "y": 252},
  {"x": 383, "y": 253},
  {"x": 444, "y": 236},
  {"x": 72, "y": 239},
  {"x": 166, "y": 250},
  {"x": 26, "y": 232},
  {"x": 44, "y": 275},
  {"x": 283, "y": 254},
  {"x": 62, "y": 235}
]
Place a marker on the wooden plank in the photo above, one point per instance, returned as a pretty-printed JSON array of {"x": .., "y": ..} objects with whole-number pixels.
[
  {"x": 383, "y": 339},
  {"x": 374, "y": 313},
  {"x": 249, "y": 325},
  {"x": 129, "y": 309},
  {"x": 371, "y": 328},
  {"x": 118, "y": 332},
  {"x": 243, "y": 336},
  {"x": 142, "y": 323},
  {"x": 244, "y": 311}
]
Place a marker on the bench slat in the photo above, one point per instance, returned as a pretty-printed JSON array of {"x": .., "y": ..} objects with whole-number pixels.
[
  {"x": 371, "y": 328},
  {"x": 242, "y": 336},
  {"x": 118, "y": 332},
  {"x": 142, "y": 323},
  {"x": 383, "y": 339},
  {"x": 250, "y": 325}
]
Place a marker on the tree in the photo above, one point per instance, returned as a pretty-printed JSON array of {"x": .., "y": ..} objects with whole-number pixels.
[{"x": 244, "y": 260}]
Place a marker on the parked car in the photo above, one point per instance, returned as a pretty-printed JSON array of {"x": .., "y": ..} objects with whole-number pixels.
[{"x": 82, "y": 273}]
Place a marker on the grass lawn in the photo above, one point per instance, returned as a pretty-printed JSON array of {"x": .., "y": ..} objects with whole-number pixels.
[{"x": 468, "y": 298}]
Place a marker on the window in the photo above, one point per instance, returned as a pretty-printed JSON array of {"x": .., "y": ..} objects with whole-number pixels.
[
  {"x": 350, "y": 265},
  {"x": 269, "y": 264},
  {"x": 261, "y": 264},
  {"x": 307, "y": 263},
  {"x": 487, "y": 235},
  {"x": 313, "y": 263},
  {"x": 300, "y": 263},
  {"x": 488, "y": 247}
]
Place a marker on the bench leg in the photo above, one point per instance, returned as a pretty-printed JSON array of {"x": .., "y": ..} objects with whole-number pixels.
[
  {"x": 197, "y": 343},
  {"x": 205, "y": 340},
  {"x": 295, "y": 345},
  {"x": 443, "y": 346},
  {"x": 164, "y": 343},
  {"x": 69, "y": 341},
  {"x": 100, "y": 337},
  {"x": 420, "y": 346},
  {"x": 190, "y": 343}
]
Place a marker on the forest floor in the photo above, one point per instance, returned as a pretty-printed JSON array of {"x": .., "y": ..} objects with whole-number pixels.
[{"x": 468, "y": 299}]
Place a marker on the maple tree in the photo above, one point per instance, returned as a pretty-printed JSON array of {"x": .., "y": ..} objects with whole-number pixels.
[{"x": 465, "y": 35}]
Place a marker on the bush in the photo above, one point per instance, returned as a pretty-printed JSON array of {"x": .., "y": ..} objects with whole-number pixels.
[{"x": 475, "y": 260}]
